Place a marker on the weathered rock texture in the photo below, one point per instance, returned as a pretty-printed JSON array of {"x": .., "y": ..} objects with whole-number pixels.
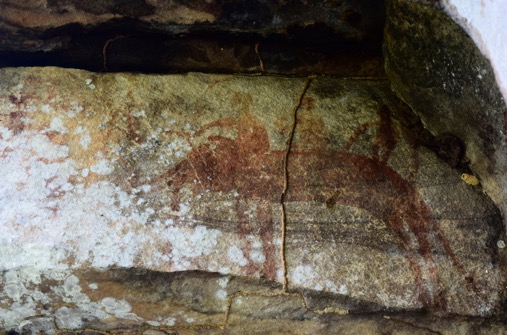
[
  {"x": 290, "y": 37},
  {"x": 437, "y": 69},
  {"x": 484, "y": 21},
  {"x": 106, "y": 174}
]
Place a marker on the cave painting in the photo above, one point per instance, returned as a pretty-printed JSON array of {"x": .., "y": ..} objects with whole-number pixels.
[{"x": 247, "y": 165}]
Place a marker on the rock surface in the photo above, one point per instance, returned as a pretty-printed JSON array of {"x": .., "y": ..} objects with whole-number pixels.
[
  {"x": 215, "y": 203},
  {"x": 354, "y": 20},
  {"x": 290, "y": 37},
  {"x": 485, "y": 23},
  {"x": 436, "y": 68}
]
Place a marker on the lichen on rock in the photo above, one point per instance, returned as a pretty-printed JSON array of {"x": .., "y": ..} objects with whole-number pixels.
[{"x": 155, "y": 199}]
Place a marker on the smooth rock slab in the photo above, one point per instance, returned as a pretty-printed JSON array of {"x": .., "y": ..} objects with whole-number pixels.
[{"x": 185, "y": 172}]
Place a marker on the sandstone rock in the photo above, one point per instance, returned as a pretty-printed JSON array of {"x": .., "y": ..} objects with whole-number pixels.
[
  {"x": 147, "y": 202},
  {"x": 180, "y": 36},
  {"x": 355, "y": 20},
  {"x": 486, "y": 25},
  {"x": 436, "y": 68},
  {"x": 368, "y": 211}
]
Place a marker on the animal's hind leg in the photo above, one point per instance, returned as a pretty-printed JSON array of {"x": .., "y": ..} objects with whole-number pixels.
[
  {"x": 245, "y": 228},
  {"x": 265, "y": 220},
  {"x": 426, "y": 297}
]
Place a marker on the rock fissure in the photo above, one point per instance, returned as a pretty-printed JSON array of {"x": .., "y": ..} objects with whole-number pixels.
[
  {"x": 413, "y": 325},
  {"x": 283, "y": 195},
  {"x": 105, "y": 48},
  {"x": 284, "y": 291},
  {"x": 132, "y": 330},
  {"x": 261, "y": 62}
]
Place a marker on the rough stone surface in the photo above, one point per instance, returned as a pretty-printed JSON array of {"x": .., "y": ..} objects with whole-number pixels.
[
  {"x": 358, "y": 187},
  {"x": 484, "y": 21},
  {"x": 181, "y": 301},
  {"x": 135, "y": 201},
  {"x": 292, "y": 37},
  {"x": 436, "y": 68},
  {"x": 355, "y": 20}
]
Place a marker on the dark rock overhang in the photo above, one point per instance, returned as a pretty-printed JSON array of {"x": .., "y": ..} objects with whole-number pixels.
[{"x": 341, "y": 38}]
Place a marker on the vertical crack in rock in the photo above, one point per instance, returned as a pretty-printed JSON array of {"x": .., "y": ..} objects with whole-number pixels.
[
  {"x": 286, "y": 182},
  {"x": 284, "y": 291},
  {"x": 106, "y": 47},
  {"x": 261, "y": 63}
]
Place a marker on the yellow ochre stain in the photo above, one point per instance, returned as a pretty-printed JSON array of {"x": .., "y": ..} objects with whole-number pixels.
[{"x": 470, "y": 179}]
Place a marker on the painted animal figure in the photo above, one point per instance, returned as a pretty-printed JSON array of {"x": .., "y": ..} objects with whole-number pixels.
[{"x": 247, "y": 165}]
